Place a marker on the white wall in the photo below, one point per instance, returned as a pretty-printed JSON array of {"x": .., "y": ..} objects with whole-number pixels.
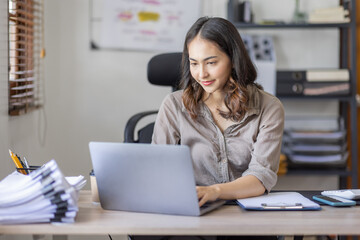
[{"x": 91, "y": 94}]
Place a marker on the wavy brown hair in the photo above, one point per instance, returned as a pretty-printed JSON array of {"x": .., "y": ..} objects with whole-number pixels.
[{"x": 224, "y": 34}]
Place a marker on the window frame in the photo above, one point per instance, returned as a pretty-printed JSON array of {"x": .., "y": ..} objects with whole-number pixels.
[{"x": 25, "y": 26}]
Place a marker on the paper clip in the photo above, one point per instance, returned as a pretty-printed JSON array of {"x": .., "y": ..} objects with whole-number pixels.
[{"x": 282, "y": 206}]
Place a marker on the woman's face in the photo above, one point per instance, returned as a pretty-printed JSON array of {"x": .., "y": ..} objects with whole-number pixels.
[{"x": 209, "y": 66}]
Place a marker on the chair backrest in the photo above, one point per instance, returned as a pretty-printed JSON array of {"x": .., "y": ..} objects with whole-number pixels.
[{"x": 163, "y": 70}]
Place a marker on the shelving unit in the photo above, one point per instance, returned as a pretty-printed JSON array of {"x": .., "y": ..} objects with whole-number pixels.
[
  {"x": 292, "y": 25},
  {"x": 348, "y": 104}
]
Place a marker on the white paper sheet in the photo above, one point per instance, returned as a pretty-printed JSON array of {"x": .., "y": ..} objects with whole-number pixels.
[{"x": 279, "y": 201}]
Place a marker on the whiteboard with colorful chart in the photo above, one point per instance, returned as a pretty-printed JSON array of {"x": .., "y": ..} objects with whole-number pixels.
[{"x": 148, "y": 25}]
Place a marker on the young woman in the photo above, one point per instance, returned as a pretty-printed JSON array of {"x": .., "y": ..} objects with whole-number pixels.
[{"x": 233, "y": 128}]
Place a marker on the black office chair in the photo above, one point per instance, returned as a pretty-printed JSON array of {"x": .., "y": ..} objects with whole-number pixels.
[{"x": 163, "y": 70}]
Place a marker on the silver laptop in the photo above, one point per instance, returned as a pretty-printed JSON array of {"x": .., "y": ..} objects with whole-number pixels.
[{"x": 146, "y": 178}]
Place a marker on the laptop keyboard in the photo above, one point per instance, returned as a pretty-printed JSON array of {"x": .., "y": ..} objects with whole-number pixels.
[{"x": 209, "y": 205}]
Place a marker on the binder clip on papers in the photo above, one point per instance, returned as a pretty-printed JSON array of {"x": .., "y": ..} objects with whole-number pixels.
[{"x": 279, "y": 206}]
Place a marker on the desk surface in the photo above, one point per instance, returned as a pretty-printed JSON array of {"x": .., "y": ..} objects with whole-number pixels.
[{"x": 228, "y": 220}]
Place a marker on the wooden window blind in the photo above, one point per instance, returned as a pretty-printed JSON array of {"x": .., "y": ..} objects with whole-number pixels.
[{"x": 26, "y": 53}]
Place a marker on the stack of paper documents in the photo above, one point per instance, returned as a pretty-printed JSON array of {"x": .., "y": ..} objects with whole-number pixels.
[
  {"x": 316, "y": 147},
  {"x": 44, "y": 195}
]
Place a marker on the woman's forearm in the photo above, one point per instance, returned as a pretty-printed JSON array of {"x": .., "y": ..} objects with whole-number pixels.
[{"x": 247, "y": 186}]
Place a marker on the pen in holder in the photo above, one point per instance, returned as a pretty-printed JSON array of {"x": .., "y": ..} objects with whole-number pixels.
[{"x": 27, "y": 169}]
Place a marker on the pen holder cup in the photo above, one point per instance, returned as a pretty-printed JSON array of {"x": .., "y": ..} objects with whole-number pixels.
[
  {"x": 28, "y": 170},
  {"x": 94, "y": 189}
]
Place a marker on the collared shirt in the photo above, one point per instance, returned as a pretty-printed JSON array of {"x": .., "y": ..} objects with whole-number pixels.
[{"x": 249, "y": 147}]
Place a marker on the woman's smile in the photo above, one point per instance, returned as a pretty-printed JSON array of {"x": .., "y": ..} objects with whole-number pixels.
[{"x": 207, "y": 83}]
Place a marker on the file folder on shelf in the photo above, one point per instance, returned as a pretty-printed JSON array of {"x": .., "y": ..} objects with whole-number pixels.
[{"x": 44, "y": 195}]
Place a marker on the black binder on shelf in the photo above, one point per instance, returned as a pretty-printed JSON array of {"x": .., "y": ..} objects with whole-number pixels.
[
  {"x": 291, "y": 75},
  {"x": 314, "y": 75},
  {"x": 333, "y": 82}
]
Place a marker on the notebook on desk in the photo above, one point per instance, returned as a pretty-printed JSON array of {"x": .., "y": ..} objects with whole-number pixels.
[{"x": 146, "y": 178}]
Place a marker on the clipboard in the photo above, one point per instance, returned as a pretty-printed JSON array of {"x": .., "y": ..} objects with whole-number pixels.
[{"x": 278, "y": 201}]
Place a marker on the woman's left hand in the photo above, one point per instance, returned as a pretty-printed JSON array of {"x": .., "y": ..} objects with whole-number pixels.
[{"x": 207, "y": 193}]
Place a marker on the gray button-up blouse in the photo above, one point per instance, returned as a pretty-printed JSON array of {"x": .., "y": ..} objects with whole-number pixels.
[{"x": 250, "y": 147}]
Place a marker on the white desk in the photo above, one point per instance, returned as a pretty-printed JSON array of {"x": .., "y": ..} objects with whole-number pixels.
[{"x": 228, "y": 220}]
